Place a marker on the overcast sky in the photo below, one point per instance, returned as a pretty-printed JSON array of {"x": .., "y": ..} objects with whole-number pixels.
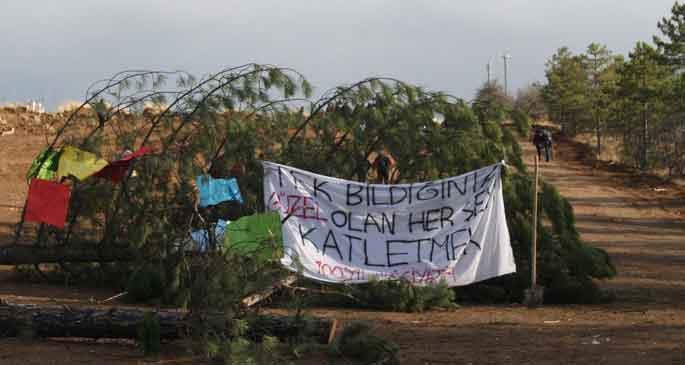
[{"x": 53, "y": 49}]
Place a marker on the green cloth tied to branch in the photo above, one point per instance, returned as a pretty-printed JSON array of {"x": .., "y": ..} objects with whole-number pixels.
[{"x": 255, "y": 235}]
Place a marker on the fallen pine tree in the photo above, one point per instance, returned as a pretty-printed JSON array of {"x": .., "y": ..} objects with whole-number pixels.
[
  {"x": 49, "y": 321},
  {"x": 29, "y": 255}
]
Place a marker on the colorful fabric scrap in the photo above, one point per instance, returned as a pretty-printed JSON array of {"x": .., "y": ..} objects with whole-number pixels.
[
  {"x": 80, "y": 164},
  {"x": 214, "y": 191},
  {"x": 44, "y": 166},
  {"x": 201, "y": 238},
  {"x": 47, "y": 202},
  {"x": 256, "y": 234},
  {"x": 118, "y": 170}
]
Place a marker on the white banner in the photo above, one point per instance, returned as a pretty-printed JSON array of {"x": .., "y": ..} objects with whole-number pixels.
[{"x": 345, "y": 231}]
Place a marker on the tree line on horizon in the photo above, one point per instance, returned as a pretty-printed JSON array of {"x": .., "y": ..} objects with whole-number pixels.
[{"x": 638, "y": 99}]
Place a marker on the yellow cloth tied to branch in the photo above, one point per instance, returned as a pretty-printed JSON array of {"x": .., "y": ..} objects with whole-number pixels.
[{"x": 80, "y": 164}]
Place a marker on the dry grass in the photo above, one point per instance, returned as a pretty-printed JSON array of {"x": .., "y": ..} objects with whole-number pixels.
[{"x": 611, "y": 146}]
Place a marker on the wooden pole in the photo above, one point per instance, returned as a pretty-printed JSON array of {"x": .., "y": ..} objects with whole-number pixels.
[
  {"x": 533, "y": 250},
  {"x": 331, "y": 335}
]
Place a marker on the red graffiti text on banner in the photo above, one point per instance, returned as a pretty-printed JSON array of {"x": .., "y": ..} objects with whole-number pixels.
[
  {"x": 299, "y": 206},
  {"x": 343, "y": 273}
]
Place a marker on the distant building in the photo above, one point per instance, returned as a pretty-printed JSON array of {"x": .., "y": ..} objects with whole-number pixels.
[{"x": 34, "y": 106}]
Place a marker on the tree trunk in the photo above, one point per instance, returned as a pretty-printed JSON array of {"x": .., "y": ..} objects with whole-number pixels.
[
  {"x": 60, "y": 321},
  {"x": 644, "y": 156},
  {"x": 28, "y": 255},
  {"x": 598, "y": 130}
]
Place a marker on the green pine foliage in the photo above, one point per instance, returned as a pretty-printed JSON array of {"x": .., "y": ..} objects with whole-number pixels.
[
  {"x": 566, "y": 92},
  {"x": 357, "y": 342},
  {"x": 402, "y": 296},
  {"x": 566, "y": 264},
  {"x": 238, "y": 349},
  {"x": 672, "y": 41},
  {"x": 521, "y": 121},
  {"x": 492, "y": 103},
  {"x": 644, "y": 86},
  {"x": 397, "y": 296}
]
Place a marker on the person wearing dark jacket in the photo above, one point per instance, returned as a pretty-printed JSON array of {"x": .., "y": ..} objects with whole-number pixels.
[
  {"x": 383, "y": 163},
  {"x": 542, "y": 140},
  {"x": 548, "y": 145}
]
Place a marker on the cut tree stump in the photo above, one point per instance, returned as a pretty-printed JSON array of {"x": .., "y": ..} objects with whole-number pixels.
[{"x": 43, "y": 321}]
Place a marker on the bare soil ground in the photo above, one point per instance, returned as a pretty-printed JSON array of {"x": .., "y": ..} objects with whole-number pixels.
[{"x": 643, "y": 229}]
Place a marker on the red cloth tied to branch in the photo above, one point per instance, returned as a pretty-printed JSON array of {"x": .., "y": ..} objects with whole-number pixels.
[
  {"x": 47, "y": 202},
  {"x": 117, "y": 170}
]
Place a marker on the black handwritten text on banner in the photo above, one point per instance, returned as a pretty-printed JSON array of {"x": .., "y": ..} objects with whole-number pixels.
[{"x": 344, "y": 231}]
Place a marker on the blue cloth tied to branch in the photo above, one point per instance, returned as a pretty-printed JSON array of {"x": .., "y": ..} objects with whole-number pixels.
[{"x": 214, "y": 191}]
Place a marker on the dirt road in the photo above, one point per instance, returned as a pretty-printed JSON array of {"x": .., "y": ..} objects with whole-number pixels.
[{"x": 643, "y": 229}]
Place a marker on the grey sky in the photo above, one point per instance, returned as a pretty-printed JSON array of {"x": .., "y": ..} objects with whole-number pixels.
[{"x": 53, "y": 49}]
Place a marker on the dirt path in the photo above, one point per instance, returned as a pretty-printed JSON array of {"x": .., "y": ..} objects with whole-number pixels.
[
  {"x": 639, "y": 221},
  {"x": 642, "y": 229}
]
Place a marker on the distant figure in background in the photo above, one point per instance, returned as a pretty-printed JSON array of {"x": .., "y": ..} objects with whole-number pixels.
[
  {"x": 542, "y": 139},
  {"x": 382, "y": 164},
  {"x": 548, "y": 145}
]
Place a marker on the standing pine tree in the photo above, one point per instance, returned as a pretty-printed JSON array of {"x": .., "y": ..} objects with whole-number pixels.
[
  {"x": 672, "y": 42},
  {"x": 566, "y": 92},
  {"x": 601, "y": 68},
  {"x": 492, "y": 103},
  {"x": 643, "y": 84}
]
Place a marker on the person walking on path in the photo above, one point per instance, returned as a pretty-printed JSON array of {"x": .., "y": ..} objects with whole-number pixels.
[
  {"x": 542, "y": 139},
  {"x": 548, "y": 144}
]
